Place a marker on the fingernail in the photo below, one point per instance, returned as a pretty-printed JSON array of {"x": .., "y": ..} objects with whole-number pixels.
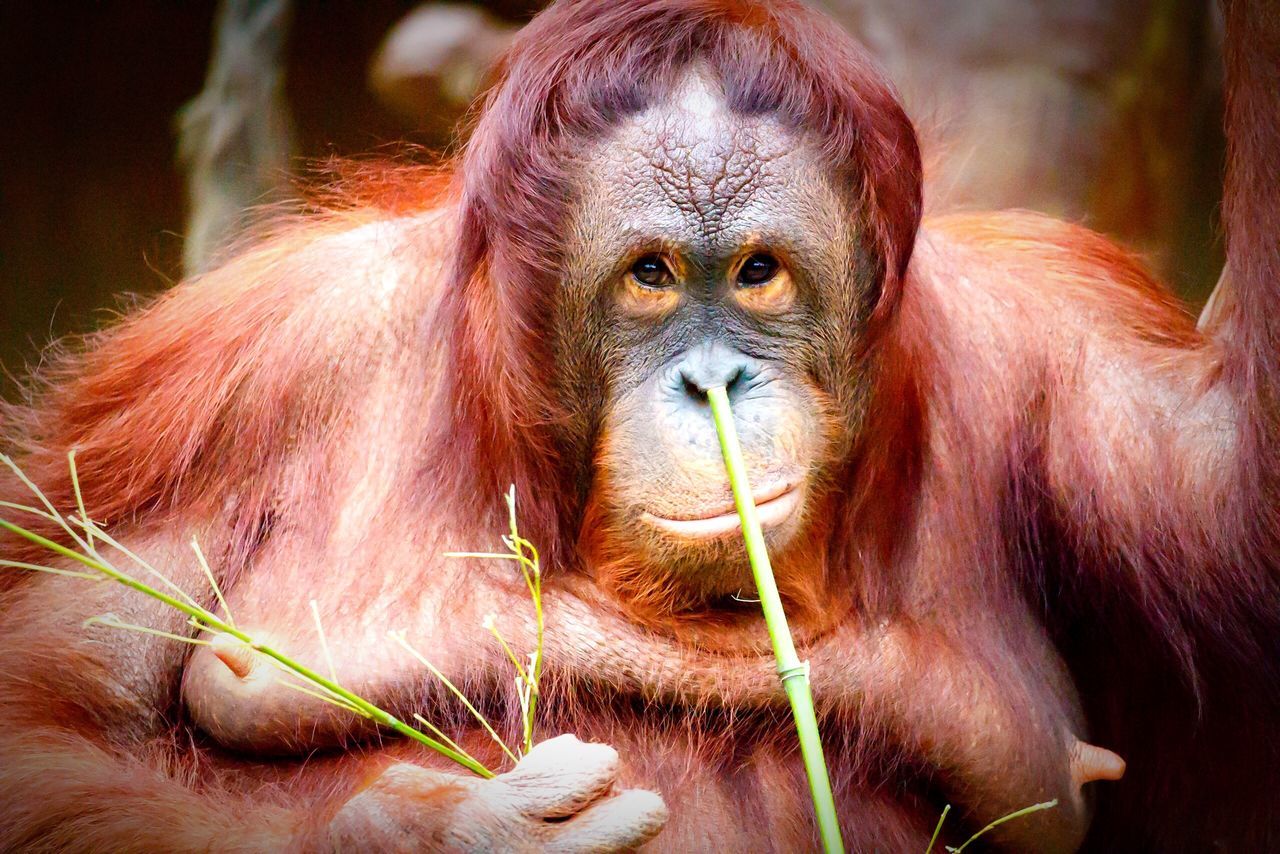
[{"x": 234, "y": 653}]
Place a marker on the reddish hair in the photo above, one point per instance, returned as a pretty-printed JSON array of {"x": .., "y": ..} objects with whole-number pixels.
[{"x": 576, "y": 70}]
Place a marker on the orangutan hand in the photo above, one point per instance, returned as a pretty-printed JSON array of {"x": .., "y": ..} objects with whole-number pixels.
[{"x": 561, "y": 797}]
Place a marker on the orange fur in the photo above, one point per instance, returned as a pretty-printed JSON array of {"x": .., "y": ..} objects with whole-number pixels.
[{"x": 1060, "y": 519}]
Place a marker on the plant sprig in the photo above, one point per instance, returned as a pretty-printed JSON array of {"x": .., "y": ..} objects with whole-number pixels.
[
  {"x": 528, "y": 678},
  {"x": 86, "y": 535},
  {"x": 1034, "y": 808}
]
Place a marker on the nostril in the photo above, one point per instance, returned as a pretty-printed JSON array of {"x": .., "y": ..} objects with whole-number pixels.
[
  {"x": 737, "y": 380},
  {"x": 692, "y": 388}
]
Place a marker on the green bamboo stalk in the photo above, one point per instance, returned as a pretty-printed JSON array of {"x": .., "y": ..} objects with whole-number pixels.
[{"x": 791, "y": 670}]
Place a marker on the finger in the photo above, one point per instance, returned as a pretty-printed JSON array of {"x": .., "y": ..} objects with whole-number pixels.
[
  {"x": 561, "y": 776},
  {"x": 621, "y": 823},
  {"x": 1090, "y": 763}
]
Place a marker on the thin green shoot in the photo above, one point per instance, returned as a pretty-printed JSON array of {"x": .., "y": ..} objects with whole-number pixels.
[
  {"x": 528, "y": 679},
  {"x": 937, "y": 830},
  {"x": 111, "y": 621},
  {"x": 1046, "y": 805},
  {"x": 200, "y": 617},
  {"x": 791, "y": 670},
  {"x": 440, "y": 734},
  {"x": 210, "y": 622},
  {"x": 52, "y": 513},
  {"x": 399, "y": 638},
  {"x": 86, "y": 535},
  {"x": 52, "y": 570},
  {"x": 217, "y": 590},
  {"x": 150, "y": 570},
  {"x": 321, "y": 696},
  {"x": 26, "y": 508},
  {"x": 93, "y": 533},
  {"x": 324, "y": 641},
  {"x": 491, "y": 625},
  {"x": 75, "y": 482}
]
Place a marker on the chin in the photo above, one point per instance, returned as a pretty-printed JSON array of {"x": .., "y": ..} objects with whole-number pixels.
[
  {"x": 686, "y": 562},
  {"x": 675, "y": 549}
]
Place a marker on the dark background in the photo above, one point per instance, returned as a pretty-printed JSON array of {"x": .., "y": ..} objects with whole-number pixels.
[{"x": 91, "y": 201}]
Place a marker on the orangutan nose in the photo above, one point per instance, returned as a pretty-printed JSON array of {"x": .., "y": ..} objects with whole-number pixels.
[{"x": 712, "y": 365}]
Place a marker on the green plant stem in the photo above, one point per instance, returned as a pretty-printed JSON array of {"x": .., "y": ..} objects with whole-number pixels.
[
  {"x": 937, "y": 829},
  {"x": 531, "y": 569},
  {"x": 793, "y": 672},
  {"x": 210, "y": 621},
  {"x": 1047, "y": 805}
]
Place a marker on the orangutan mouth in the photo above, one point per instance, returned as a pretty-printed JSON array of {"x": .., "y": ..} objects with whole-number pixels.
[{"x": 773, "y": 506}]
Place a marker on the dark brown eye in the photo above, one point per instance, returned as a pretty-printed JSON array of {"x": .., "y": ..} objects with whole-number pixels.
[
  {"x": 758, "y": 269},
  {"x": 652, "y": 272}
]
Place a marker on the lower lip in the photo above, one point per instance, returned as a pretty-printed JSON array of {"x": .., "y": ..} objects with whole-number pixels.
[{"x": 772, "y": 512}]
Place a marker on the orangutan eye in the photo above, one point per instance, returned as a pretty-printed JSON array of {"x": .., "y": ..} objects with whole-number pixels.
[
  {"x": 652, "y": 272},
  {"x": 757, "y": 270}
]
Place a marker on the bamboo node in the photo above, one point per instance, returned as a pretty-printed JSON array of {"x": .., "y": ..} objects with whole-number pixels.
[{"x": 800, "y": 669}]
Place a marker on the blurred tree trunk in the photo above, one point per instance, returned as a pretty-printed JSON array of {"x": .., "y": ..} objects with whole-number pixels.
[
  {"x": 234, "y": 138},
  {"x": 1102, "y": 112}
]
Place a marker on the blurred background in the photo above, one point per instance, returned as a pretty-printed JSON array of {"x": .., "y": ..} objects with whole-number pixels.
[{"x": 138, "y": 132}]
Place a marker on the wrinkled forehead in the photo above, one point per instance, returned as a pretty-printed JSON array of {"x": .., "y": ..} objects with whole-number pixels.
[{"x": 691, "y": 171}]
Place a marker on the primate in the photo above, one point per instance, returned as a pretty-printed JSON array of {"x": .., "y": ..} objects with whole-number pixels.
[{"x": 1023, "y": 514}]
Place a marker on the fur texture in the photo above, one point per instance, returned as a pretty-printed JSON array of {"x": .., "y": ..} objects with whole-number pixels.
[{"x": 1060, "y": 520}]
